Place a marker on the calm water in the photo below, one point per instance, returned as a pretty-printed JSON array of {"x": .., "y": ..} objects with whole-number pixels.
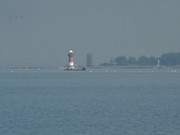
[{"x": 89, "y": 103}]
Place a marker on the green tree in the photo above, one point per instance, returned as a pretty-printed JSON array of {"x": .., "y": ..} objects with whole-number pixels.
[
  {"x": 121, "y": 60},
  {"x": 132, "y": 61}
]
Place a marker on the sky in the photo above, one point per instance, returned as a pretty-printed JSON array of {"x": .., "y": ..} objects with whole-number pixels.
[{"x": 40, "y": 32}]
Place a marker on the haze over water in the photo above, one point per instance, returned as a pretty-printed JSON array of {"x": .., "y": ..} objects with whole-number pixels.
[
  {"x": 40, "y": 32},
  {"x": 89, "y": 103},
  {"x": 38, "y": 98}
]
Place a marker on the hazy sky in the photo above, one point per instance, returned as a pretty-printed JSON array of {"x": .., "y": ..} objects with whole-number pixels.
[{"x": 40, "y": 32}]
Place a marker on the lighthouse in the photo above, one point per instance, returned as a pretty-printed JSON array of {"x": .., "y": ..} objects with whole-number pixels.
[{"x": 71, "y": 64}]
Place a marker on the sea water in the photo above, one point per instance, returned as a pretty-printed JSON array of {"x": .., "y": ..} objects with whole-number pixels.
[{"x": 89, "y": 103}]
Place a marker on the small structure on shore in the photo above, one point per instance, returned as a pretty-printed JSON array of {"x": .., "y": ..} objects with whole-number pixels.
[{"x": 71, "y": 66}]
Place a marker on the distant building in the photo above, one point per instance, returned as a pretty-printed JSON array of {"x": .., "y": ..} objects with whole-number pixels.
[
  {"x": 158, "y": 62},
  {"x": 89, "y": 60}
]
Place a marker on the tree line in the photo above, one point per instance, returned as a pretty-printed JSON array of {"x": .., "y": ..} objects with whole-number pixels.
[{"x": 167, "y": 59}]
